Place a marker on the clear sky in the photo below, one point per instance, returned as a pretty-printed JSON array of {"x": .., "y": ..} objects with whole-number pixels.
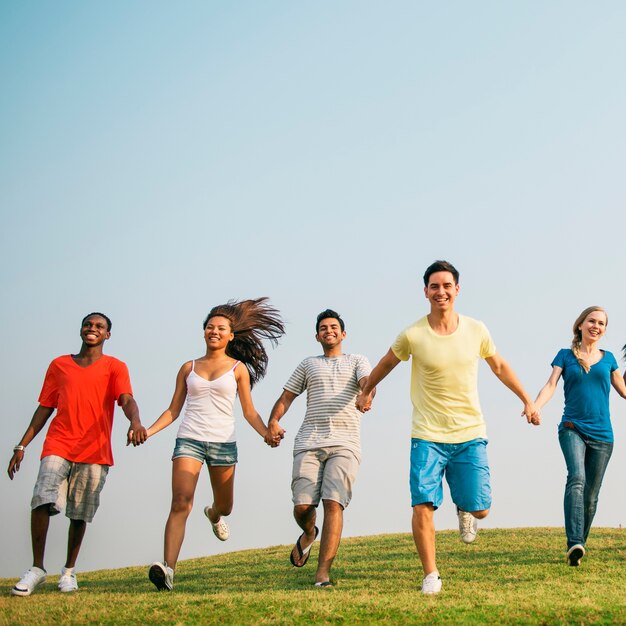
[{"x": 159, "y": 158}]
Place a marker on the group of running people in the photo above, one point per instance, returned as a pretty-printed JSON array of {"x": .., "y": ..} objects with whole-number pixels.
[{"x": 448, "y": 429}]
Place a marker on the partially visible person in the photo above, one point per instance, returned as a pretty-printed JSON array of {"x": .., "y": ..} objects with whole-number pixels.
[
  {"x": 327, "y": 448},
  {"x": 76, "y": 456},
  {"x": 449, "y": 433},
  {"x": 585, "y": 431},
  {"x": 235, "y": 359}
]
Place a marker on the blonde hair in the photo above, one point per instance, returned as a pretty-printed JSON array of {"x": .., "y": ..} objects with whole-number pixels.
[{"x": 577, "y": 340}]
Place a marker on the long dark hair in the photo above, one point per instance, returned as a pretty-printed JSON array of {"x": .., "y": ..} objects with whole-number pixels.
[{"x": 251, "y": 321}]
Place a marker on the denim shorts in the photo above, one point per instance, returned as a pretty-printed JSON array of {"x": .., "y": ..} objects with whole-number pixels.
[
  {"x": 216, "y": 454},
  {"x": 465, "y": 467}
]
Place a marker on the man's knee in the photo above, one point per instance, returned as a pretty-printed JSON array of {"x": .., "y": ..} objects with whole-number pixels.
[
  {"x": 303, "y": 511},
  {"x": 332, "y": 505}
]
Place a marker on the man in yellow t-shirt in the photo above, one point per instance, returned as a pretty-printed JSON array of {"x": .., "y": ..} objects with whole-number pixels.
[{"x": 448, "y": 435}]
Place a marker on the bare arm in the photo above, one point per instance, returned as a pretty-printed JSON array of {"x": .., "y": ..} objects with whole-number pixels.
[
  {"x": 382, "y": 369},
  {"x": 37, "y": 422},
  {"x": 136, "y": 431},
  {"x": 242, "y": 376},
  {"x": 619, "y": 383},
  {"x": 547, "y": 391},
  {"x": 281, "y": 406},
  {"x": 176, "y": 405},
  {"x": 505, "y": 374}
]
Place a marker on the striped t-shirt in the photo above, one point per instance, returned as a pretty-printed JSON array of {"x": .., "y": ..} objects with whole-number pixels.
[{"x": 332, "y": 384}]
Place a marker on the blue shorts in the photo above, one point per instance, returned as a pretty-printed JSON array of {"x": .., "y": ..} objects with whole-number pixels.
[
  {"x": 216, "y": 454},
  {"x": 466, "y": 469}
]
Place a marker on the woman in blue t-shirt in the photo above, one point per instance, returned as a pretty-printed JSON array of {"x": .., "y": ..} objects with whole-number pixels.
[{"x": 585, "y": 431}]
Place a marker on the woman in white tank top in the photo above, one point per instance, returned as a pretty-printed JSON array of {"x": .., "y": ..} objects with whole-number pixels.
[{"x": 235, "y": 360}]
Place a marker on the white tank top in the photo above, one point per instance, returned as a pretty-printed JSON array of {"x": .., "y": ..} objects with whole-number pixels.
[{"x": 209, "y": 414}]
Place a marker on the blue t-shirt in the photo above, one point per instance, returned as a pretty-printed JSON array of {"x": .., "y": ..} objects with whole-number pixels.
[{"x": 587, "y": 394}]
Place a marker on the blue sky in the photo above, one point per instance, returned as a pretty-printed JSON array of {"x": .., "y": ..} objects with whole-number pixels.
[{"x": 158, "y": 159}]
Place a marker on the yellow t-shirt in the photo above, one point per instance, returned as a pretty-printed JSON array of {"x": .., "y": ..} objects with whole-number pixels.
[{"x": 444, "y": 379}]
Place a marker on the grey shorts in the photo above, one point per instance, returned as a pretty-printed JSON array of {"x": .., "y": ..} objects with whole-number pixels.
[
  {"x": 324, "y": 474},
  {"x": 75, "y": 486}
]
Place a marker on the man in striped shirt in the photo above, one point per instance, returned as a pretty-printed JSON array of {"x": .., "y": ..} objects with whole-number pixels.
[{"x": 327, "y": 449}]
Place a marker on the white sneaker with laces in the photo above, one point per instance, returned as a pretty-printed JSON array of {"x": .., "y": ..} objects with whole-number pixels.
[
  {"x": 431, "y": 584},
  {"x": 34, "y": 577},
  {"x": 162, "y": 576},
  {"x": 220, "y": 528},
  {"x": 468, "y": 525},
  {"x": 67, "y": 581}
]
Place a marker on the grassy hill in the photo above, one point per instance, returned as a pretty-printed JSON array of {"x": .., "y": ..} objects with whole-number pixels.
[{"x": 509, "y": 576}]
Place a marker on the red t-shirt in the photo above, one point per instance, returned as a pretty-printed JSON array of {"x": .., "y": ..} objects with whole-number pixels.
[{"x": 84, "y": 398}]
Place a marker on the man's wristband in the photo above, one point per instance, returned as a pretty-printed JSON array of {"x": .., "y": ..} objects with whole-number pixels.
[{"x": 18, "y": 449}]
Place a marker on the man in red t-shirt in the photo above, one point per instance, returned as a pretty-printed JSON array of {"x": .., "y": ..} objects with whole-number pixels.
[{"x": 76, "y": 456}]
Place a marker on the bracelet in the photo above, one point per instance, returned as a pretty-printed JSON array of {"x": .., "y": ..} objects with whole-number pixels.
[{"x": 18, "y": 449}]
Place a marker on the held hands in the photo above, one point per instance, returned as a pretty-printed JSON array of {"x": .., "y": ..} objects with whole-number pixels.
[
  {"x": 137, "y": 434},
  {"x": 533, "y": 416},
  {"x": 275, "y": 433},
  {"x": 364, "y": 401}
]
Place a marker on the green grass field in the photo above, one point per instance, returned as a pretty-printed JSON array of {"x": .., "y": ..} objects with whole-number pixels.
[{"x": 509, "y": 576}]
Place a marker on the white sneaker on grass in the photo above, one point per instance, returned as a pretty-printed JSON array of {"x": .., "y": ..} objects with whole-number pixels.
[
  {"x": 34, "y": 577},
  {"x": 574, "y": 554},
  {"x": 67, "y": 581},
  {"x": 468, "y": 526},
  {"x": 220, "y": 528},
  {"x": 431, "y": 584},
  {"x": 162, "y": 576}
]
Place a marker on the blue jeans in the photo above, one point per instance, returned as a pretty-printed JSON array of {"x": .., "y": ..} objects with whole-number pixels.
[{"x": 586, "y": 462}]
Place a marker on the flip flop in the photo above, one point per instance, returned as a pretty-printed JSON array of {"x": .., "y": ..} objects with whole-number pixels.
[
  {"x": 302, "y": 553},
  {"x": 324, "y": 584}
]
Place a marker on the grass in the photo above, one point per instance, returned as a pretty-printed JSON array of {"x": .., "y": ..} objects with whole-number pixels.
[{"x": 509, "y": 576}]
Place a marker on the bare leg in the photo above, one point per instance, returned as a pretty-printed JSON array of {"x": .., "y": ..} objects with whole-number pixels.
[
  {"x": 305, "y": 517},
  {"x": 39, "y": 522},
  {"x": 331, "y": 536},
  {"x": 185, "y": 472},
  {"x": 74, "y": 540},
  {"x": 223, "y": 484},
  {"x": 480, "y": 514},
  {"x": 423, "y": 526}
]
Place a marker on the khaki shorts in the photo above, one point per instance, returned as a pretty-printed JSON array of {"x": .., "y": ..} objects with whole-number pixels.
[
  {"x": 62, "y": 482},
  {"x": 324, "y": 474}
]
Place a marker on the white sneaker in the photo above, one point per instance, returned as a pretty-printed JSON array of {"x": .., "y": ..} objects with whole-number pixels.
[
  {"x": 29, "y": 582},
  {"x": 67, "y": 581},
  {"x": 574, "y": 554},
  {"x": 468, "y": 525},
  {"x": 162, "y": 576},
  {"x": 431, "y": 583},
  {"x": 220, "y": 528}
]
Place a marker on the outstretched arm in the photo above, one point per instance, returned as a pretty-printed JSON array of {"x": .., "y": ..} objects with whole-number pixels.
[
  {"x": 275, "y": 431},
  {"x": 382, "y": 369},
  {"x": 547, "y": 391},
  {"x": 38, "y": 421},
  {"x": 619, "y": 383},
  {"x": 507, "y": 377},
  {"x": 176, "y": 405},
  {"x": 242, "y": 376}
]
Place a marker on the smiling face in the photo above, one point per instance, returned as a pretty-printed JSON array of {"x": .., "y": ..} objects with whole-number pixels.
[
  {"x": 94, "y": 330},
  {"x": 329, "y": 333},
  {"x": 218, "y": 332},
  {"x": 441, "y": 291},
  {"x": 593, "y": 326}
]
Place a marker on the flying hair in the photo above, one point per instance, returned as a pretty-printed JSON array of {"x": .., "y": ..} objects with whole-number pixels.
[{"x": 251, "y": 322}]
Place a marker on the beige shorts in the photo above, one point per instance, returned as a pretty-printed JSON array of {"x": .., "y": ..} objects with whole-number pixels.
[
  {"x": 324, "y": 474},
  {"x": 78, "y": 485}
]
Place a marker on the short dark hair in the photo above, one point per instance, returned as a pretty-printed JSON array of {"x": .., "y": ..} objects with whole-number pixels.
[
  {"x": 326, "y": 314},
  {"x": 441, "y": 266},
  {"x": 102, "y": 315}
]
